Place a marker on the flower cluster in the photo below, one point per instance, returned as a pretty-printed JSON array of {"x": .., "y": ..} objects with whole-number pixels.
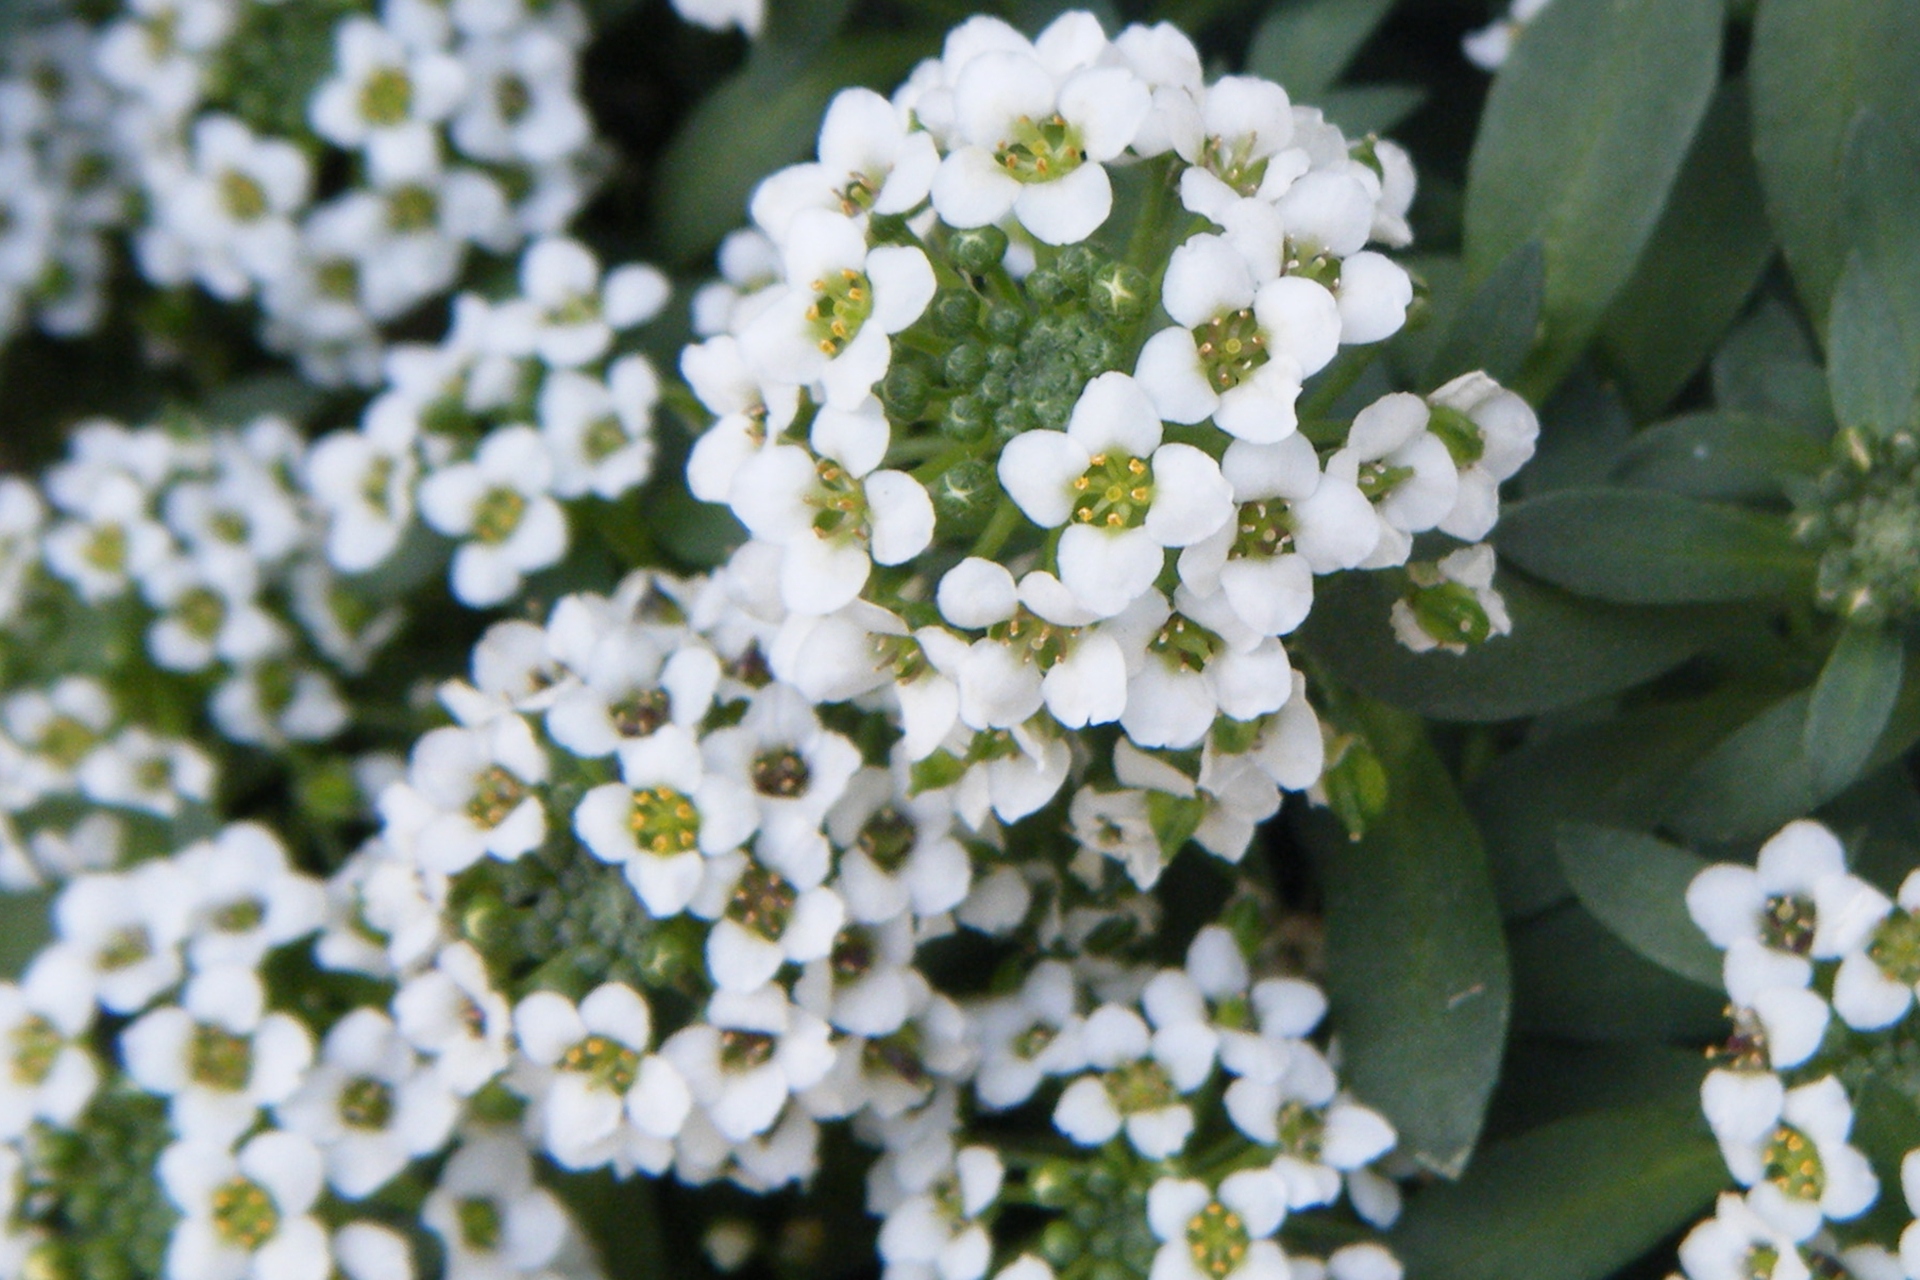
[
  {"x": 527, "y": 402},
  {"x": 1863, "y": 517},
  {"x": 1819, "y": 967}
]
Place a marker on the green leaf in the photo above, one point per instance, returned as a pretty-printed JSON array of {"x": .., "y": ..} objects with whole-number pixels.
[
  {"x": 1721, "y": 455},
  {"x": 1545, "y": 1080},
  {"x": 1766, "y": 367},
  {"x": 1306, "y": 44},
  {"x": 1874, "y": 333},
  {"x": 1812, "y": 68},
  {"x": 1583, "y": 429},
  {"x": 1644, "y": 546},
  {"x": 1851, "y": 704},
  {"x": 1416, "y": 961},
  {"x": 1637, "y": 886},
  {"x": 1370, "y": 108},
  {"x": 1496, "y": 327},
  {"x": 1174, "y": 819},
  {"x": 1755, "y": 781},
  {"x": 1585, "y": 130},
  {"x": 25, "y": 927},
  {"x": 1706, "y": 255},
  {"x": 1572, "y": 1200},
  {"x": 1574, "y": 980},
  {"x": 766, "y": 116},
  {"x": 1563, "y": 650},
  {"x": 1874, "y": 382}
]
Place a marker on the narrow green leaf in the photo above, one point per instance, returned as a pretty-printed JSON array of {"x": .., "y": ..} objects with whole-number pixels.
[
  {"x": 1873, "y": 382},
  {"x": 1574, "y": 980},
  {"x": 1563, "y": 650},
  {"x": 1766, "y": 367},
  {"x": 1755, "y": 781},
  {"x": 1722, "y": 456},
  {"x": 25, "y": 928},
  {"x": 1705, "y": 256},
  {"x": 1583, "y": 430},
  {"x": 764, "y": 117},
  {"x": 1637, "y": 886},
  {"x": 1417, "y": 966},
  {"x": 1812, "y": 68},
  {"x": 1851, "y": 703},
  {"x": 1643, "y": 546},
  {"x": 1572, "y": 1200},
  {"x": 1585, "y": 130},
  {"x": 1306, "y": 44},
  {"x": 1546, "y": 1080},
  {"x": 1496, "y": 327}
]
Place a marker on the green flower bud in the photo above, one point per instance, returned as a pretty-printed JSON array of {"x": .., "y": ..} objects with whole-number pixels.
[
  {"x": 954, "y": 312},
  {"x": 966, "y": 418},
  {"x": 964, "y": 498},
  {"x": 903, "y": 392},
  {"x": 1006, "y": 323},
  {"x": 1048, "y": 287},
  {"x": 979, "y": 250},
  {"x": 964, "y": 365},
  {"x": 1121, "y": 293},
  {"x": 1077, "y": 264}
]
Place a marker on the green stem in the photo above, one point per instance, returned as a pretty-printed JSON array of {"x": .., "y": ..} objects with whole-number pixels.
[
  {"x": 677, "y": 398},
  {"x": 1339, "y": 378},
  {"x": 1144, "y": 250},
  {"x": 1006, "y": 518}
]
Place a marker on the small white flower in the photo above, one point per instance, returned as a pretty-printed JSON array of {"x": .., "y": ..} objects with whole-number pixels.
[
  {"x": 750, "y": 1053},
  {"x": 600, "y": 433},
  {"x": 1736, "y": 1244},
  {"x": 452, "y": 1012},
  {"x": 126, "y": 929},
  {"x": 1491, "y": 432},
  {"x": 247, "y": 1215},
  {"x": 1223, "y": 1234},
  {"x": 1123, "y": 496},
  {"x": 385, "y": 98},
  {"x": 500, "y": 505},
  {"x": 869, "y": 161},
  {"x": 137, "y": 770},
  {"x": 364, "y": 479},
  {"x": 477, "y": 789},
  {"x": 50, "y": 1075},
  {"x": 1451, "y": 603},
  {"x": 492, "y": 1218},
  {"x": 607, "y": 1099},
  {"x": 1129, "y": 1087},
  {"x": 1804, "y": 1171}
]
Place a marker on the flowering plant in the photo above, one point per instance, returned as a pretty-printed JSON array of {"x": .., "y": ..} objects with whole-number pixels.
[{"x": 1045, "y": 721}]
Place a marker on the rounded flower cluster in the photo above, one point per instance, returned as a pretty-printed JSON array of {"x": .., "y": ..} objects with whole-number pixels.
[
  {"x": 1864, "y": 519},
  {"x": 334, "y": 165},
  {"x": 1820, "y": 968}
]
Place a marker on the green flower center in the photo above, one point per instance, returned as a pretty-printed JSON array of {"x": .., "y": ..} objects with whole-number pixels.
[
  {"x": 745, "y": 1050},
  {"x": 853, "y": 953},
  {"x": 604, "y": 438},
  {"x": 1379, "y": 478},
  {"x": 36, "y": 1047},
  {"x": 607, "y": 1062},
  {"x": 897, "y": 1055},
  {"x": 481, "y": 1225},
  {"x": 201, "y": 612},
  {"x": 858, "y": 195},
  {"x": 1233, "y": 163},
  {"x": 386, "y": 98},
  {"x": 1033, "y": 637},
  {"x": 664, "y": 822},
  {"x": 1217, "y": 1239},
  {"x": 412, "y": 208},
  {"x": 340, "y": 278},
  {"x": 1032, "y": 1042},
  {"x": 1760, "y": 1262},
  {"x": 512, "y": 98},
  {"x": 219, "y": 1059},
  {"x": 1040, "y": 151},
  {"x": 239, "y": 916},
  {"x": 229, "y": 526},
  {"x": 1113, "y": 492},
  {"x": 106, "y": 550},
  {"x": 366, "y": 1103},
  {"x": 1302, "y": 1130},
  {"x": 244, "y": 1214},
  {"x": 497, "y": 515},
  {"x": 1788, "y": 923},
  {"x": 155, "y": 773},
  {"x": 1896, "y": 947},
  {"x": 125, "y": 948},
  {"x": 1263, "y": 528},
  {"x": 841, "y": 304},
  {"x": 66, "y": 741},
  {"x": 887, "y": 838},
  {"x": 1450, "y": 613},
  {"x": 781, "y": 773},
  {"x": 642, "y": 713},
  {"x": 1793, "y": 1165},
  {"x": 244, "y": 199},
  {"x": 1231, "y": 347},
  {"x": 496, "y": 794},
  {"x": 376, "y": 484},
  {"x": 763, "y": 902},
  {"x": 1184, "y": 644},
  {"x": 1457, "y": 431},
  {"x": 1140, "y": 1086}
]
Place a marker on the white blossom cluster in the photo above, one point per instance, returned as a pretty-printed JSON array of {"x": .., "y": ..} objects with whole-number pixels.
[
  {"x": 775, "y": 884},
  {"x": 1810, "y": 948},
  {"x": 527, "y": 402},
  {"x": 335, "y": 165},
  {"x": 968, "y": 495},
  {"x": 61, "y": 194},
  {"x": 275, "y": 1135}
]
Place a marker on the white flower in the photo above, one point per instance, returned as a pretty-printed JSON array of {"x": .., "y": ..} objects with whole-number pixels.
[
  {"x": 748, "y": 413},
  {"x": 237, "y": 208},
  {"x": 1123, "y": 495},
  {"x": 1034, "y": 143},
  {"x": 721, "y": 14},
  {"x": 796, "y": 769},
  {"x": 247, "y": 1215},
  {"x": 1132, "y": 1086},
  {"x": 1487, "y": 48},
  {"x": 51, "y": 1075},
  {"x": 452, "y": 1012},
  {"x": 606, "y": 1098},
  {"x": 1876, "y": 982},
  {"x": 843, "y": 300},
  {"x": 600, "y": 433},
  {"x": 1737, "y": 1244},
  {"x": 899, "y": 851},
  {"x": 110, "y": 541},
  {"x": 490, "y": 1215},
  {"x": 750, "y": 1053},
  {"x": 938, "y": 1228},
  {"x": 219, "y": 1055},
  {"x": 1451, "y": 603},
  {"x": 500, "y": 504},
  {"x": 870, "y": 161},
  {"x": 633, "y": 682},
  {"x": 137, "y": 770},
  {"x": 1027, "y": 1036},
  {"x": 1218, "y": 1235},
  {"x": 1402, "y": 467},
  {"x": 364, "y": 479},
  {"x": 522, "y": 105},
  {"x": 385, "y": 98},
  {"x": 126, "y": 929},
  {"x": 1490, "y": 432},
  {"x": 477, "y": 791},
  {"x": 246, "y": 899},
  {"x": 762, "y": 920},
  {"x": 369, "y": 1104},
  {"x": 1804, "y": 1170}
]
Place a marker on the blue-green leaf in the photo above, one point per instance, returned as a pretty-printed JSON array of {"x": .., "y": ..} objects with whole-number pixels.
[
  {"x": 1416, "y": 960},
  {"x": 1496, "y": 327},
  {"x": 1636, "y": 885},
  {"x": 1306, "y": 44},
  {"x": 1722, "y": 456},
  {"x": 1851, "y": 703}
]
